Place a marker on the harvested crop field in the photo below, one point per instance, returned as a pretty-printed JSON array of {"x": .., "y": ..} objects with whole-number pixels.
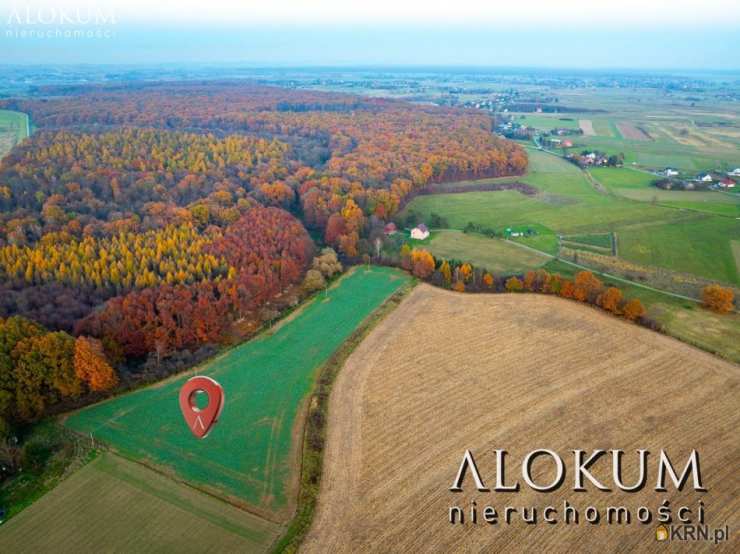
[
  {"x": 587, "y": 127},
  {"x": 447, "y": 372},
  {"x": 114, "y": 505},
  {"x": 631, "y": 132}
]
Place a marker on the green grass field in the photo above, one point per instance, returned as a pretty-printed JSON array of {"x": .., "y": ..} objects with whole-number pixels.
[
  {"x": 494, "y": 254},
  {"x": 14, "y": 127},
  {"x": 603, "y": 240},
  {"x": 115, "y": 505},
  {"x": 622, "y": 177},
  {"x": 547, "y": 122},
  {"x": 250, "y": 456},
  {"x": 16, "y": 122},
  {"x": 654, "y": 234},
  {"x": 693, "y": 246},
  {"x": 635, "y": 185}
]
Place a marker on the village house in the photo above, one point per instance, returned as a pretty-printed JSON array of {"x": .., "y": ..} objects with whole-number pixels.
[
  {"x": 727, "y": 183},
  {"x": 735, "y": 172},
  {"x": 390, "y": 229},
  {"x": 670, "y": 172},
  {"x": 420, "y": 232},
  {"x": 706, "y": 178}
]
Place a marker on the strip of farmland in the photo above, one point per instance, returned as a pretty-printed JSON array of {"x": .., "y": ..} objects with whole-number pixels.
[{"x": 249, "y": 458}]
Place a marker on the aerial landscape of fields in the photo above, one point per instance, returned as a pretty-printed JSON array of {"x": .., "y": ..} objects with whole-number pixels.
[
  {"x": 252, "y": 460},
  {"x": 258, "y": 482},
  {"x": 521, "y": 372},
  {"x": 392, "y": 277}
]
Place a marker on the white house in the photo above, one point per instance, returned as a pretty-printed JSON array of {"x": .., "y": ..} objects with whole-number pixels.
[
  {"x": 735, "y": 172},
  {"x": 420, "y": 232},
  {"x": 705, "y": 178},
  {"x": 670, "y": 172}
]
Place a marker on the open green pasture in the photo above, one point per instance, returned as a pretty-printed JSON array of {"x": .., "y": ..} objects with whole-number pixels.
[
  {"x": 547, "y": 122},
  {"x": 496, "y": 255},
  {"x": 649, "y": 232}
]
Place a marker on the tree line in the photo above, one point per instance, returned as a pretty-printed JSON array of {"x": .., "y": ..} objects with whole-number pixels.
[{"x": 584, "y": 287}]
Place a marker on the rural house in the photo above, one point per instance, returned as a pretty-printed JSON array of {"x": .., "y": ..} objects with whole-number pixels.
[
  {"x": 707, "y": 178},
  {"x": 390, "y": 229},
  {"x": 727, "y": 183},
  {"x": 420, "y": 232},
  {"x": 670, "y": 172}
]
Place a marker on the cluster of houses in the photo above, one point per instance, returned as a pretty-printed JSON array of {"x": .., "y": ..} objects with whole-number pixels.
[
  {"x": 596, "y": 159},
  {"x": 513, "y": 130},
  {"x": 703, "y": 181}
]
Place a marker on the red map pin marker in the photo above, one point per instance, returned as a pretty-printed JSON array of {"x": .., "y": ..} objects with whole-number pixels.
[{"x": 200, "y": 420}]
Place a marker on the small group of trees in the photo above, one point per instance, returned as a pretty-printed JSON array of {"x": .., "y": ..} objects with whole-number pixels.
[
  {"x": 39, "y": 368},
  {"x": 718, "y": 298},
  {"x": 584, "y": 287},
  {"x": 323, "y": 267}
]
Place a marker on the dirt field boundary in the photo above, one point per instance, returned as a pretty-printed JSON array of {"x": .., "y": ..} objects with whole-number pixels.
[{"x": 314, "y": 431}]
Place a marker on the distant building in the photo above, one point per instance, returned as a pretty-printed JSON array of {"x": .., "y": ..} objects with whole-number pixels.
[
  {"x": 727, "y": 183},
  {"x": 670, "y": 172},
  {"x": 707, "y": 178},
  {"x": 735, "y": 172},
  {"x": 567, "y": 144},
  {"x": 390, "y": 229},
  {"x": 420, "y": 232}
]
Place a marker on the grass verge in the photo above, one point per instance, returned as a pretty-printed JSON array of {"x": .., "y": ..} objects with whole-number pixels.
[{"x": 47, "y": 454}]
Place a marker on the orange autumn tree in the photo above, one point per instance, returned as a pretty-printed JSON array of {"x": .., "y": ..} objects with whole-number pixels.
[
  {"x": 465, "y": 272},
  {"x": 611, "y": 299},
  {"x": 488, "y": 280},
  {"x": 586, "y": 286},
  {"x": 422, "y": 263},
  {"x": 633, "y": 309},
  {"x": 718, "y": 298},
  {"x": 92, "y": 366}
]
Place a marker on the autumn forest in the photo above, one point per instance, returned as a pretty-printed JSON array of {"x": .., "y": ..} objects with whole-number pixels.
[{"x": 146, "y": 219}]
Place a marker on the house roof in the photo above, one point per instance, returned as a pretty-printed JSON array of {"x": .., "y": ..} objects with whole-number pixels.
[
  {"x": 727, "y": 181},
  {"x": 422, "y": 228},
  {"x": 390, "y": 226}
]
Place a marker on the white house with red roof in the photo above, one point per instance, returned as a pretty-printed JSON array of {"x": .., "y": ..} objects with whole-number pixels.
[{"x": 420, "y": 232}]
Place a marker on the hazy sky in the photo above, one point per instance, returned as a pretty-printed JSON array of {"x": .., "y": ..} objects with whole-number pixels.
[{"x": 546, "y": 33}]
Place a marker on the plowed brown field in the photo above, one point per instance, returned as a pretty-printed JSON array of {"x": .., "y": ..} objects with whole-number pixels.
[{"x": 447, "y": 372}]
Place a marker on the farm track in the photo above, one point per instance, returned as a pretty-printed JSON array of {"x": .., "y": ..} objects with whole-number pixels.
[
  {"x": 446, "y": 372},
  {"x": 610, "y": 276}
]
